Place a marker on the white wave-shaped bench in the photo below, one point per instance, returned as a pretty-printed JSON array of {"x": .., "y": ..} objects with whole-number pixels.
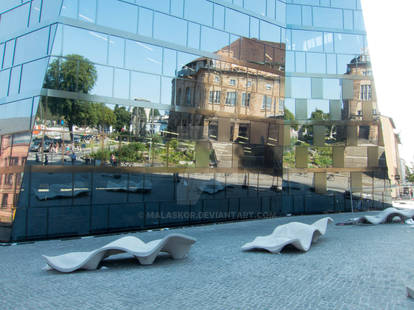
[
  {"x": 385, "y": 216},
  {"x": 297, "y": 234},
  {"x": 177, "y": 245}
]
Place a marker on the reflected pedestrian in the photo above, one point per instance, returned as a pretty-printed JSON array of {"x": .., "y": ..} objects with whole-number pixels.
[{"x": 73, "y": 157}]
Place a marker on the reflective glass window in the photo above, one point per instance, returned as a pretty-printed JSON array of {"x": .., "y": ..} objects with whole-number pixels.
[
  {"x": 15, "y": 80},
  {"x": 348, "y": 20},
  {"x": 69, "y": 8},
  {"x": 348, "y": 43},
  {"x": 171, "y": 29},
  {"x": 300, "y": 62},
  {"x": 170, "y": 62},
  {"x": 281, "y": 12},
  {"x": 290, "y": 61},
  {"x": 315, "y": 63},
  {"x": 307, "y": 41},
  {"x": 331, "y": 63},
  {"x": 121, "y": 84},
  {"x": 177, "y": 7},
  {"x": 159, "y": 5},
  {"x": 116, "y": 51},
  {"x": 346, "y": 4},
  {"x": 8, "y": 54},
  {"x": 331, "y": 89},
  {"x": 90, "y": 44},
  {"x": 199, "y": 11},
  {"x": 35, "y": 12},
  {"x": 103, "y": 84},
  {"x": 118, "y": 15},
  {"x": 143, "y": 57},
  {"x": 237, "y": 23},
  {"x": 87, "y": 11},
  {"x": 1, "y": 54},
  {"x": 306, "y": 16},
  {"x": 269, "y": 32},
  {"x": 33, "y": 74},
  {"x": 300, "y": 87},
  {"x": 342, "y": 62},
  {"x": 213, "y": 40},
  {"x": 4, "y": 82},
  {"x": 258, "y": 6},
  {"x": 254, "y": 28},
  {"x": 15, "y": 116},
  {"x": 166, "y": 90},
  {"x": 328, "y": 41},
  {"x": 56, "y": 42},
  {"x": 50, "y": 9},
  {"x": 328, "y": 18},
  {"x": 293, "y": 14},
  {"x": 35, "y": 42},
  {"x": 145, "y": 87},
  {"x": 193, "y": 36},
  {"x": 145, "y": 22},
  {"x": 14, "y": 20},
  {"x": 6, "y": 5},
  {"x": 218, "y": 17},
  {"x": 270, "y": 8},
  {"x": 359, "y": 21}
]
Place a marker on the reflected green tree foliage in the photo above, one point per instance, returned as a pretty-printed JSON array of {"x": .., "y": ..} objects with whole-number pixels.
[
  {"x": 122, "y": 118},
  {"x": 73, "y": 73}
]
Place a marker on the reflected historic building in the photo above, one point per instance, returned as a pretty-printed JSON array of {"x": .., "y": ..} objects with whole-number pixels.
[{"x": 125, "y": 115}]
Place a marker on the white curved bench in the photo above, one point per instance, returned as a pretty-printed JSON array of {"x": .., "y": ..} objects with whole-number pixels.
[
  {"x": 177, "y": 245},
  {"x": 297, "y": 234},
  {"x": 384, "y": 216}
]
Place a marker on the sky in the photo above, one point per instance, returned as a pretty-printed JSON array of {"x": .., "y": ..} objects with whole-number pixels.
[{"x": 390, "y": 26}]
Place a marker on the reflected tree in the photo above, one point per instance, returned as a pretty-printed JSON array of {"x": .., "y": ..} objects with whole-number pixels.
[
  {"x": 74, "y": 73},
  {"x": 122, "y": 118}
]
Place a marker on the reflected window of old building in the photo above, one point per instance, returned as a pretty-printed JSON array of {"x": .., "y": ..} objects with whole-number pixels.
[
  {"x": 267, "y": 103},
  {"x": 178, "y": 97},
  {"x": 14, "y": 161},
  {"x": 231, "y": 98},
  {"x": 232, "y": 82},
  {"x": 4, "y": 200},
  {"x": 246, "y": 100},
  {"x": 365, "y": 92},
  {"x": 268, "y": 86},
  {"x": 367, "y": 73},
  {"x": 9, "y": 179},
  {"x": 216, "y": 79},
  {"x": 188, "y": 96},
  {"x": 281, "y": 106},
  {"x": 214, "y": 96}
]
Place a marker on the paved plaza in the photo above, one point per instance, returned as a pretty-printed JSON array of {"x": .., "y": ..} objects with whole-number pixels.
[{"x": 351, "y": 267}]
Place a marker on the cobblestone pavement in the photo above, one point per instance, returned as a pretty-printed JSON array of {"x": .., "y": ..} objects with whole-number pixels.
[{"x": 351, "y": 267}]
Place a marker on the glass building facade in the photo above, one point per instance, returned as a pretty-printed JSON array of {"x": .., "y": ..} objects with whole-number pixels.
[{"x": 124, "y": 115}]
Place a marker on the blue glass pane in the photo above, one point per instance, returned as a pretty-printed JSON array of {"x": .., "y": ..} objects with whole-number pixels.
[
  {"x": 307, "y": 41},
  {"x": 328, "y": 18},
  {"x": 170, "y": 29},
  {"x": 199, "y": 11},
  {"x": 143, "y": 57},
  {"x": 92, "y": 45},
  {"x": 237, "y": 23},
  {"x": 118, "y": 15},
  {"x": 33, "y": 74},
  {"x": 35, "y": 42}
]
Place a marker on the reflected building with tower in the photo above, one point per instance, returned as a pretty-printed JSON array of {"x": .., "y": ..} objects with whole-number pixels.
[{"x": 127, "y": 115}]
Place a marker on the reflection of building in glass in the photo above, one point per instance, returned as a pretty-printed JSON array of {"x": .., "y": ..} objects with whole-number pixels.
[
  {"x": 116, "y": 114},
  {"x": 238, "y": 84}
]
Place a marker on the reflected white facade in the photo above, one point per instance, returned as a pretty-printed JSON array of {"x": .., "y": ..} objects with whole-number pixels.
[{"x": 123, "y": 113}]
